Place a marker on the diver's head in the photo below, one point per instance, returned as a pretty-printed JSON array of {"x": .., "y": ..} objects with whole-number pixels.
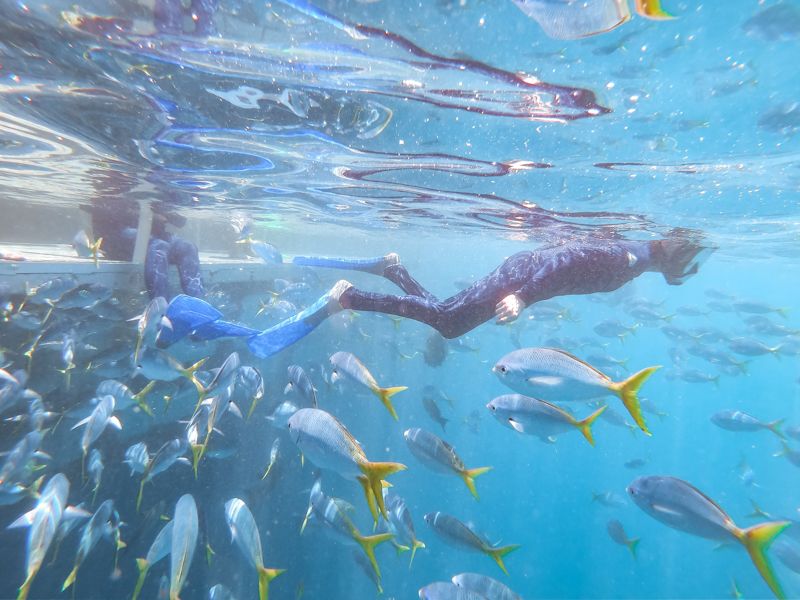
[{"x": 680, "y": 255}]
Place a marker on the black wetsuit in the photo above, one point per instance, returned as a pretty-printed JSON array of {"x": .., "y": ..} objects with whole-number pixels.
[
  {"x": 116, "y": 221},
  {"x": 581, "y": 267}
]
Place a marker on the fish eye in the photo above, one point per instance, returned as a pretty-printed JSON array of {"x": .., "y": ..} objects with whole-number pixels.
[{"x": 502, "y": 369}]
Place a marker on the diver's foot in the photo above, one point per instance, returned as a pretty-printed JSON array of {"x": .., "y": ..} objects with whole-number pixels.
[{"x": 334, "y": 296}]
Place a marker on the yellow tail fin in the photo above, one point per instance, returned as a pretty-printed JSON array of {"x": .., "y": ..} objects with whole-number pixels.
[
  {"x": 25, "y": 588},
  {"x": 264, "y": 577},
  {"x": 95, "y": 250},
  {"x": 141, "y": 491},
  {"x": 385, "y": 393},
  {"x": 415, "y": 545},
  {"x": 139, "y": 398},
  {"x": 632, "y": 545},
  {"x": 757, "y": 540},
  {"x": 70, "y": 578},
  {"x": 144, "y": 567},
  {"x": 370, "y": 497},
  {"x": 368, "y": 544},
  {"x": 585, "y": 425},
  {"x": 498, "y": 553},
  {"x": 198, "y": 450},
  {"x": 775, "y": 427},
  {"x": 375, "y": 473},
  {"x": 627, "y": 391},
  {"x": 652, "y": 10},
  {"x": 469, "y": 475},
  {"x": 189, "y": 373}
]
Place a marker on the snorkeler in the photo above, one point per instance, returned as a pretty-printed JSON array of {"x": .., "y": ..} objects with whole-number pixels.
[
  {"x": 582, "y": 266},
  {"x": 115, "y": 218}
]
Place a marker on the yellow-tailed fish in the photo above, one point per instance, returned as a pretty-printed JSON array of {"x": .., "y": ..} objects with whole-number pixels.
[
  {"x": 245, "y": 533},
  {"x": 461, "y": 535},
  {"x": 166, "y": 456},
  {"x": 334, "y": 513},
  {"x": 327, "y": 443},
  {"x": 161, "y": 546},
  {"x": 345, "y": 363},
  {"x": 537, "y": 417},
  {"x": 184, "y": 542},
  {"x": 92, "y": 532},
  {"x": 401, "y": 524},
  {"x": 485, "y": 586},
  {"x": 681, "y": 506},
  {"x": 441, "y": 457},
  {"x": 557, "y": 376},
  {"x": 652, "y": 9},
  {"x": 274, "y": 453},
  {"x": 617, "y": 533}
]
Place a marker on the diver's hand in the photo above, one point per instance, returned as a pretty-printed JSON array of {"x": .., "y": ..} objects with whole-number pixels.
[{"x": 508, "y": 309}]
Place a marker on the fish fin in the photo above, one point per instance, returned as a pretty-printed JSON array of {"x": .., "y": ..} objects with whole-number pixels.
[
  {"x": 368, "y": 544},
  {"x": 757, "y": 540},
  {"x": 415, "y": 545},
  {"x": 70, "y": 578},
  {"x": 516, "y": 425},
  {"x": 183, "y": 461},
  {"x": 400, "y": 548},
  {"x": 139, "y": 398},
  {"x": 233, "y": 408},
  {"x": 25, "y": 520},
  {"x": 143, "y": 567},
  {"x": 288, "y": 388},
  {"x": 498, "y": 553},
  {"x": 73, "y": 512},
  {"x": 585, "y": 425},
  {"x": 384, "y": 394},
  {"x": 469, "y": 475},
  {"x": 375, "y": 473},
  {"x": 775, "y": 427},
  {"x": 664, "y": 509},
  {"x": 443, "y": 423},
  {"x": 198, "y": 450},
  {"x": 264, "y": 577},
  {"x": 26, "y": 587},
  {"x": 189, "y": 373},
  {"x": 632, "y": 544},
  {"x": 550, "y": 381},
  {"x": 309, "y": 511},
  {"x": 141, "y": 491},
  {"x": 115, "y": 422},
  {"x": 80, "y": 423},
  {"x": 627, "y": 392}
]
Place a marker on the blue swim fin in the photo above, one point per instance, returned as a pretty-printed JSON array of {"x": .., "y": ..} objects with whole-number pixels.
[
  {"x": 287, "y": 332},
  {"x": 185, "y": 314},
  {"x": 374, "y": 265},
  {"x": 219, "y": 329}
]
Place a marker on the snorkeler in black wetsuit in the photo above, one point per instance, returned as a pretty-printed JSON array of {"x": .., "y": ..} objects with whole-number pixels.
[{"x": 580, "y": 266}]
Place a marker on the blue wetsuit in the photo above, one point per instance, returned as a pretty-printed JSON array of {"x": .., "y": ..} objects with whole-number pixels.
[{"x": 578, "y": 267}]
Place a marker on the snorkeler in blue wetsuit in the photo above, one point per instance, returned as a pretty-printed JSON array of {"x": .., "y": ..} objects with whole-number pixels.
[{"x": 581, "y": 266}]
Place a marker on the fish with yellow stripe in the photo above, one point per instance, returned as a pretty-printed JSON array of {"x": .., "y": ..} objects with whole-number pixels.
[
  {"x": 345, "y": 363},
  {"x": 681, "y": 506},
  {"x": 330, "y": 446},
  {"x": 441, "y": 457},
  {"x": 557, "y": 376}
]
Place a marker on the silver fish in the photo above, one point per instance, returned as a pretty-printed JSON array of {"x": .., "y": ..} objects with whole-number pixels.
[
  {"x": 540, "y": 418},
  {"x": 328, "y": 444},
  {"x": 51, "y": 291},
  {"x": 251, "y": 384},
  {"x": 736, "y": 420},
  {"x": 19, "y": 462},
  {"x": 152, "y": 319},
  {"x": 85, "y": 247},
  {"x": 433, "y": 411},
  {"x": 137, "y": 457},
  {"x": 159, "y": 549},
  {"x": 461, "y": 535},
  {"x": 244, "y": 532},
  {"x": 123, "y": 395},
  {"x": 274, "y": 453},
  {"x": 43, "y": 521},
  {"x": 446, "y": 590},
  {"x": 347, "y": 364},
  {"x": 617, "y": 533},
  {"x": 166, "y": 456},
  {"x": 184, "y": 542},
  {"x": 220, "y": 592},
  {"x": 84, "y": 296},
  {"x": 555, "y": 375},
  {"x": 97, "y": 421},
  {"x": 441, "y": 457},
  {"x": 300, "y": 382},
  {"x": 401, "y": 524},
  {"x": 95, "y": 470},
  {"x": 682, "y": 506},
  {"x": 157, "y": 365},
  {"x": 92, "y": 532},
  {"x": 485, "y": 586}
]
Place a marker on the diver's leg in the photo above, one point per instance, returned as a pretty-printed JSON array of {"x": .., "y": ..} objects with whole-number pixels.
[
  {"x": 400, "y": 276},
  {"x": 184, "y": 255},
  {"x": 156, "y": 263}
]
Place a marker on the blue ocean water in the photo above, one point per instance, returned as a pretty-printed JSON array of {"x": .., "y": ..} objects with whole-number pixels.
[{"x": 455, "y": 133}]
